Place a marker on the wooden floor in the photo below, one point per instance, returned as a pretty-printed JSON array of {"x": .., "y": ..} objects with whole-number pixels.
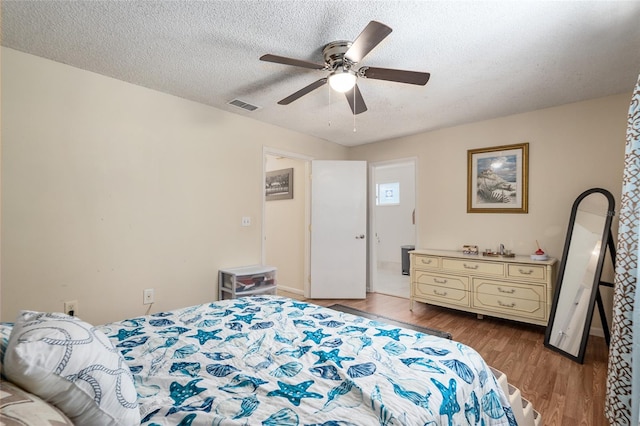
[{"x": 562, "y": 391}]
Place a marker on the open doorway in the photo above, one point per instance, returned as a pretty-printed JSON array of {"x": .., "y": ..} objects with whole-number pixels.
[
  {"x": 392, "y": 225},
  {"x": 285, "y": 236}
]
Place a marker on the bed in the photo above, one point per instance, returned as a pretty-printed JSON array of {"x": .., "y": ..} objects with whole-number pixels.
[{"x": 271, "y": 360}]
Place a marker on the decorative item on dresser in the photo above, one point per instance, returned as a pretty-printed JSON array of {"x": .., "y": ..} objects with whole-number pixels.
[{"x": 515, "y": 288}]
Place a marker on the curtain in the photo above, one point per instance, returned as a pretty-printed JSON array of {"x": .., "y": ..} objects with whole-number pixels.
[
  {"x": 623, "y": 379},
  {"x": 635, "y": 356}
]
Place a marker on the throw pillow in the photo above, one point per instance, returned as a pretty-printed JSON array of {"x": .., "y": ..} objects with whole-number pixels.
[
  {"x": 72, "y": 365},
  {"x": 19, "y": 407}
]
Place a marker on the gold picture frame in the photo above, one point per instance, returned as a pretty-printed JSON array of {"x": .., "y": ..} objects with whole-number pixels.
[{"x": 497, "y": 179}]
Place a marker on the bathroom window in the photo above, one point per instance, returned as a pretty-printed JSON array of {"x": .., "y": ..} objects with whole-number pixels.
[{"x": 388, "y": 194}]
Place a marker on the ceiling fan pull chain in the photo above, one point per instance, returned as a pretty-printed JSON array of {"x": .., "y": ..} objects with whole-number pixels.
[
  {"x": 329, "y": 105},
  {"x": 354, "y": 110}
]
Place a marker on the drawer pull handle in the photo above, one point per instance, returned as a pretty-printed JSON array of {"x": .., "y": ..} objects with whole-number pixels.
[
  {"x": 527, "y": 272},
  {"x": 439, "y": 281},
  {"x": 426, "y": 261},
  {"x": 470, "y": 266},
  {"x": 437, "y": 293},
  {"x": 505, "y": 305},
  {"x": 511, "y": 291}
]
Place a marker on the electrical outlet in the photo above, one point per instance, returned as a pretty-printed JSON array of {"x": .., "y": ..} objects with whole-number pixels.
[
  {"x": 246, "y": 221},
  {"x": 71, "y": 307},
  {"x": 148, "y": 296}
]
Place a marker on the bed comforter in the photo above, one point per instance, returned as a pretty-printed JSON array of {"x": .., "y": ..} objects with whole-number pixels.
[{"x": 277, "y": 361}]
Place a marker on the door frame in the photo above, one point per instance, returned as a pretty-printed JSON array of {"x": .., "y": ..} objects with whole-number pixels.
[
  {"x": 373, "y": 253},
  {"x": 266, "y": 150}
]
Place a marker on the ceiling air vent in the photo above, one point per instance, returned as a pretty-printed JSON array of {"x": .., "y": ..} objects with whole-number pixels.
[{"x": 242, "y": 104}]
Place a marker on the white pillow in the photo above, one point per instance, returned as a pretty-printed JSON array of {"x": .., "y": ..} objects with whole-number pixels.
[
  {"x": 5, "y": 333},
  {"x": 72, "y": 365}
]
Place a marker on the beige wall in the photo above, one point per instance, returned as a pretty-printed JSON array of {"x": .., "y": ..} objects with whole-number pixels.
[
  {"x": 572, "y": 148},
  {"x": 109, "y": 188},
  {"x": 285, "y": 227}
]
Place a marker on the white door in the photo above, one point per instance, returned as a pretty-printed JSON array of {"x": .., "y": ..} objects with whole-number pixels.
[{"x": 338, "y": 229}]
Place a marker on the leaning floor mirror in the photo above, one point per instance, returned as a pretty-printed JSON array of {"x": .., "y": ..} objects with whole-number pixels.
[{"x": 577, "y": 286}]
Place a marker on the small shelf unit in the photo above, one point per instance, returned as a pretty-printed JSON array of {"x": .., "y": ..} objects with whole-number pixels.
[{"x": 246, "y": 281}]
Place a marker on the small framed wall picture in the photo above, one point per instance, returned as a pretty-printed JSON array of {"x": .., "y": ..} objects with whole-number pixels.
[
  {"x": 497, "y": 179},
  {"x": 278, "y": 185}
]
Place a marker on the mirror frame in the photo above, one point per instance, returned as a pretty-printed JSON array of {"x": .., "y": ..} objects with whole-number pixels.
[{"x": 604, "y": 246}]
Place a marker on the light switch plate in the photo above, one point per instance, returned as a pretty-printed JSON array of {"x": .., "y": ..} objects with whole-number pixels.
[{"x": 148, "y": 296}]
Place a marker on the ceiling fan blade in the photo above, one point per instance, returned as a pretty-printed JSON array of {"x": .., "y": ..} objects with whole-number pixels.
[
  {"x": 290, "y": 61},
  {"x": 369, "y": 38},
  {"x": 357, "y": 105},
  {"x": 400, "y": 76},
  {"x": 300, "y": 93}
]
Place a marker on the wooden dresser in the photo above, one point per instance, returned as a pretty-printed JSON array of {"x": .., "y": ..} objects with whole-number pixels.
[{"x": 515, "y": 288}]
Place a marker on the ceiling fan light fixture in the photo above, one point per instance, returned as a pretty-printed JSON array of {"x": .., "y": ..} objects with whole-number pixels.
[
  {"x": 342, "y": 81},
  {"x": 341, "y": 62}
]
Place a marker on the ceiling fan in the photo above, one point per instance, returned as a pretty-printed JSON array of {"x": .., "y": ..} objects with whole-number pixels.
[{"x": 341, "y": 59}]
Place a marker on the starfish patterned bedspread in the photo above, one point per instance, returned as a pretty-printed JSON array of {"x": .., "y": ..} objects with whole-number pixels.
[{"x": 276, "y": 361}]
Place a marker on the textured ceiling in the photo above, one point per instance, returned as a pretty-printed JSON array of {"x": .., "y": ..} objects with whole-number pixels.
[{"x": 486, "y": 59}]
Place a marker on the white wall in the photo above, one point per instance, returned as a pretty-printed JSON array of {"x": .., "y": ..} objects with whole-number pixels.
[{"x": 109, "y": 188}]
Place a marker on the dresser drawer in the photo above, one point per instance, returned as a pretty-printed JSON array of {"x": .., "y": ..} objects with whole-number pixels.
[
  {"x": 473, "y": 266},
  {"x": 421, "y": 261},
  {"x": 520, "y": 307},
  {"x": 442, "y": 280},
  {"x": 527, "y": 301},
  {"x": 436, "y": 293},
  {"x": 510, "y": 290},
  {"x": 528, "y": 272}
]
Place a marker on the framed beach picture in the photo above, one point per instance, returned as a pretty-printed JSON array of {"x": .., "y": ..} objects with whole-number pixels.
[
  {"x": 278, "y": 185},
  {"x": 497, "y": 179}
]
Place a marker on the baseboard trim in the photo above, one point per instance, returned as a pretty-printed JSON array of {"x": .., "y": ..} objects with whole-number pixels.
[{"x": 291, "y": 290}]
